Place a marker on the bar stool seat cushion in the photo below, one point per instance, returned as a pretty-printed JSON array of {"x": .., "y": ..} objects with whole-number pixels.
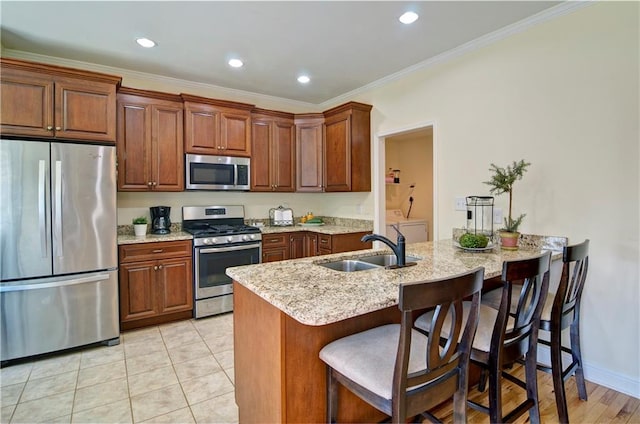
[
  {"x": 482, "y": 339},
  {"x": 368, "y": 358}
]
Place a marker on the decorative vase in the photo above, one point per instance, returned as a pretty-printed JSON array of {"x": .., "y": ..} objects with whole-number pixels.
[
  {"x": 509, "y": 241},
  {"x": 140, "y": 230}
]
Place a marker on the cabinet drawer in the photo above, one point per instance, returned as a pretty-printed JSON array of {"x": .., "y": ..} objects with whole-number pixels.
[
  {"x": 149, "y": 251},
  {"x": 275, "y": 240},
  {"x": 324, "y": 242}
]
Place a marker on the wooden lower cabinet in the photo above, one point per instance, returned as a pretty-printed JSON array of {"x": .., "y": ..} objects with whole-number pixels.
[
  {"x": 156, "y": 283},
  {"x": 303, "y": 244},
  {"x": 275, "y": 247}
]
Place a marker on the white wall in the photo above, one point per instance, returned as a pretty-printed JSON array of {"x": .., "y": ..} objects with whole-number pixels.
[{"x": 564, "y": 96}]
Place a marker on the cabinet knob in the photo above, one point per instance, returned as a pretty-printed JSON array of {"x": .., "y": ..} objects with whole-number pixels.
[
  {"x": 157, "y": 251},
  {"x": 149, "y": 183},
  {"x": 155, "y": 183},
  {"x": 159, "y": 266},
  {"x": 58, "y": 128},
  {"x": 155, "y": 268},
  {"x": 49, "y": 127}
]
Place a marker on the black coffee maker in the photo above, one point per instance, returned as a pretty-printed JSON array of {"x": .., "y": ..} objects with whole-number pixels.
[{"x": 160, "y": 222}]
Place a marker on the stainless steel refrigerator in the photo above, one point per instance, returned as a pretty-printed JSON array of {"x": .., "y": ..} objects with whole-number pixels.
[{"x": 58, "y": 247}]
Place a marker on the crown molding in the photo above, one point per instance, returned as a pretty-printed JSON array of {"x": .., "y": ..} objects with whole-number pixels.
[{"x": 562, "y": 9}]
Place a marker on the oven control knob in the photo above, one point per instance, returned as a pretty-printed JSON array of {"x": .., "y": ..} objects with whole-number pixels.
[
  {"x": 213, "y": 240},
  {"x": 206, "y": 241},
  {"x": 229, "y": 239},
  {"x": 245, "y": 237}
]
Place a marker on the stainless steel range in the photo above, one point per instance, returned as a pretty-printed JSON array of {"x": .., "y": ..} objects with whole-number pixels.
[{"x": 221, "y": 240}]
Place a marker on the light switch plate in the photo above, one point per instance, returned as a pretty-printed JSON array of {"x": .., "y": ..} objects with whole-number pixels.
[
  {"x": 497, "y": 216},
  {"x": 461, "y": 204}
]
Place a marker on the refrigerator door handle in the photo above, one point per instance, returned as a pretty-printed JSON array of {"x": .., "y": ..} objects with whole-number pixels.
[
  {"x": 57, "y": 209},
  {"x": 42, "y": 193},
  {"x": 36, "y": 286}
]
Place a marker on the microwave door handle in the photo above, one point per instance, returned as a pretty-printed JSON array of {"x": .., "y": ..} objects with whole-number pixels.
[{"x": 42, "y": 220}]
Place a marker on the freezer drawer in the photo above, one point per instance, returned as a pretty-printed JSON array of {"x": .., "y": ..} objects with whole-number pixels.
[{"x": 46, "y": 315}]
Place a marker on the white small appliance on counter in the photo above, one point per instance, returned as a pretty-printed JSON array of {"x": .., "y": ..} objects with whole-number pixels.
[{"x": 415, "y": 230}]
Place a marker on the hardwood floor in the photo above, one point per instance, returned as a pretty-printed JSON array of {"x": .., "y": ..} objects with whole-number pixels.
[{"x": 604, "y": 405}]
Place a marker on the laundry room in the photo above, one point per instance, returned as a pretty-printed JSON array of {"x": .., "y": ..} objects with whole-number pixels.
[{"x": 409, "y": 184}]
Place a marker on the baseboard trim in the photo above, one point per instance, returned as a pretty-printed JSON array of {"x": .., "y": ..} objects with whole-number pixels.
[{"x": 595, "y": 374}]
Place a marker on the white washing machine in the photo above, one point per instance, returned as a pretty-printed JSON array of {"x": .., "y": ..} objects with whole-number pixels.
[{"x": 415, "y": 230}]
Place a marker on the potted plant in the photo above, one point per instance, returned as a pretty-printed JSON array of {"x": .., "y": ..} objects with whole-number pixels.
[
  {"x": 501, "y": 182},
  {"x": 140, "y": 226}
]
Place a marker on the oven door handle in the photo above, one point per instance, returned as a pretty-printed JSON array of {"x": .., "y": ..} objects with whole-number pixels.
[{"x": 229, "y": 249}]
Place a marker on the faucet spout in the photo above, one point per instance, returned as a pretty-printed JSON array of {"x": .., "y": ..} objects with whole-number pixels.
[{"x": 398, "y": 248}]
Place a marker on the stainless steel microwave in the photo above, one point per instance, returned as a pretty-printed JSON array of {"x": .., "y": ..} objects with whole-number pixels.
[{"x": 207, "y": 172}]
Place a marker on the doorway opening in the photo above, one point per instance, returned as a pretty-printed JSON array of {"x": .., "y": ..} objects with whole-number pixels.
[{"x": 406, "y": 194}]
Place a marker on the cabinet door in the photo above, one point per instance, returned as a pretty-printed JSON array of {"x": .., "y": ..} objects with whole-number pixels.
[
  {"x": 296, "y": 243},
  {"x": 85, "y": 110},
  {"x": 133, "y": 144},
  {"x": 311, "y": 244},
  {"x": 175, "y": 285},
  {"x": 138, "y": 290},
  {"x": 167, "y": 164},
  {"x": 202, "y": 129},
  {"x": 337, "y": 159},
  {"x": 309, "y": 159},
  {"x": 27, "y": 104},
  {"x": 274, "y": 254},
  {"x": 284, "y": 156},
  {"x": 261, "y": 158},
  {"x": 235, "y": 132}
]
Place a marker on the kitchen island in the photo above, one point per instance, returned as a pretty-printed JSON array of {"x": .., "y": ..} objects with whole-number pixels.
[{"x": 285, "y": 312}]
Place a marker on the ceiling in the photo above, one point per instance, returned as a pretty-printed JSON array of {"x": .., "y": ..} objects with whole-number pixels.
[{"x": 342, "y": 46}]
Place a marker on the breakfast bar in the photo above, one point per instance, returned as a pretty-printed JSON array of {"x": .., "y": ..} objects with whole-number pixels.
[{"x": 285, "y": 312}]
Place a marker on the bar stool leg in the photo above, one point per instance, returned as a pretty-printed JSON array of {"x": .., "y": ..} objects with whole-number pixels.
[
  {"x": 531, "y": 371},
  {"x": 495, "y": 393},
  {"x": 558, "y": 381},
  {"x": 332, "y": 397},
  {"x": 577, "y": 357}
]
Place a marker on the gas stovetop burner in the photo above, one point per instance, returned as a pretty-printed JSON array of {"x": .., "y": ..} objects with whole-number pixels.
[
  {"x": 217, "y": 225},
  {"x": 206, "y": 230}
]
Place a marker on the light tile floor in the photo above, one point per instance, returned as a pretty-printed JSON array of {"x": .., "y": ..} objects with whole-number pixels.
[{"x": 173, "y": 373}]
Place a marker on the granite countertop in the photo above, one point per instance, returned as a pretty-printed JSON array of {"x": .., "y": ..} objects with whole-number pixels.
[
  {"x": 315, "y": 295},
  {"x": 322, "y": 229},
  {"x": 153, "y": 238}
]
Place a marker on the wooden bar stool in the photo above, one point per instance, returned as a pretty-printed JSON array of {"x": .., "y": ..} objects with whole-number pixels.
[
  {"x": 563, "y": 311},
  {"x": 399, "y": 370},
  {"x": 503, "y": 338}
]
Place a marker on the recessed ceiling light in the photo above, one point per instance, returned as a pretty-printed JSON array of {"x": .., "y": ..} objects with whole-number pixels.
[
  {"x": 408, "y": 18},
  {"x": 303, "y": 79},
  {"x": 235, "y": 63},
  {"x": 145, "y": 42}
]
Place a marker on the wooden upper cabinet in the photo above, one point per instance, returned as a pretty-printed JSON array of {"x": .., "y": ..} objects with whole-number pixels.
[
  {"x": 216, "y": 127},
  {"x": 55, "y": 102},
  {"x": 309, "y": 153},
  {"x": 150, "y": 141},
  {"x": 273, "y": 151},
  {"x": 347, "y": 148}
]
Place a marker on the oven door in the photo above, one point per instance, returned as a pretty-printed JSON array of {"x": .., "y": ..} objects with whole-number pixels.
[{"x": 211, "y": 264}]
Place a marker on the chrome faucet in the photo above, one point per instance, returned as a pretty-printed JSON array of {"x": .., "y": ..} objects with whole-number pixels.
[{"x": 398, "y": 248}]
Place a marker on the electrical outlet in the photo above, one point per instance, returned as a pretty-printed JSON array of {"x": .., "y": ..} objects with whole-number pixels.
[
  {"x": 461, "y": 204},
  {"x": 497, "y": 216}
]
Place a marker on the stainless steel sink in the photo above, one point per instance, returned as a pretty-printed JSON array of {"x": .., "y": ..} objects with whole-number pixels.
[
  {"x": 366, "y": 262},
  {"x": 349, "y": 265},
  {"x": 385, "y": 260}
]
